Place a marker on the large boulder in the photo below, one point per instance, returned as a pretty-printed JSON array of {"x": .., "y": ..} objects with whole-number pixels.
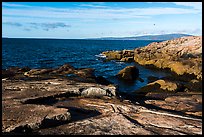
[
  {"x": 166, "y": 85},
  {"x": 65, "y": 69},
  {"x": 125, "y": 55},
  {"x": 97, "y": 92},
  {"x": 160, "y": 86},
  {"x": 129, "y": 73},
  {"x": 85, "y": 73},
  {"x": 111, "y": 55}
]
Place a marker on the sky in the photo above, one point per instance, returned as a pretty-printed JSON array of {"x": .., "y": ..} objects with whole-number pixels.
[{"x": 78, "y": 20}]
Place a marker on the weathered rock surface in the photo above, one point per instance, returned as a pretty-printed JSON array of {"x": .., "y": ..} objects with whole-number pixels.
[
  {"x": 46, "y": 101},
  {"x": 87, "y": 74},
  {"x": 166, "y": 85},
  {"x": 27, "y": 90},
  {"x": 23, "y": 109},
  {"x": 84, "y": 73},
  {"x": 125, "y": 55},
  {"x": 112, "y": 55},
  {"x": 193, "y": 85},
  {"x": 35, "y": 72},
  {"x": 182, "y": 55},
  {"x": 55, "y": 106},
  {"x": 13, "y": 71},
  {"x": 160, "y": 86},
  {"x": 27, "y": 117},
  {"x": 122, "y": 118},
  {"x": 182, "y": 102},
  {"x": 129, "y": 73},
  {"x": 98, "y": 92},
  {"x": 66, "y": 70}
]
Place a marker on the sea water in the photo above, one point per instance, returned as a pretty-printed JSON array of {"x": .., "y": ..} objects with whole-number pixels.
[{"x": 80, "y": 53}]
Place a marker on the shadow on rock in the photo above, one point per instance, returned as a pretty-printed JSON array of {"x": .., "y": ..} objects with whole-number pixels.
[{"x": 80, "y": 113}]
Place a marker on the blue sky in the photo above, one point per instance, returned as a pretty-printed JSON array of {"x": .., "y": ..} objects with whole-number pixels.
[{"x": 99, "y": 19}]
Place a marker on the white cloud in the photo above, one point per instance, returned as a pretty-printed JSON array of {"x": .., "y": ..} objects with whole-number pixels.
[
  {"x": 94, "y": 13},
  {"x": 195, "y": 5},
  {"x": 8, "y": 4},
  {"x": 99, "y": 3},
  {"x": 113, "y": 17},
  {"x": 93, "y": 6}
]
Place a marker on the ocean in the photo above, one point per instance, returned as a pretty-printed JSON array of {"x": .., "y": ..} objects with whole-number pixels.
[{"x": 80, "y": 53}]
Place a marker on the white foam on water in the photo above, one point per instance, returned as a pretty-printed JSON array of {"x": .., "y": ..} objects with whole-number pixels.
[
  {"x": 101, "y": 56},
  {"x": 120, "y": 62}
]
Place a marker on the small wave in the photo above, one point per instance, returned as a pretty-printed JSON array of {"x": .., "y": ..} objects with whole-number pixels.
[
  {"x": 46, "y": 61},
  {"x": 120, "y": 62},
  {"x": 101, "y": 56}
]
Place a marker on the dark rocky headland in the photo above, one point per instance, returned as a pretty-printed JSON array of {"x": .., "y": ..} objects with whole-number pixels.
[{"x": 73, "y": 101}]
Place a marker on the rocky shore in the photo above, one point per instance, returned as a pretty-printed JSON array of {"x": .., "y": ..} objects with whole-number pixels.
[
  {"x": 73, "y": 101},
  {"x": 181, "y": 56}
]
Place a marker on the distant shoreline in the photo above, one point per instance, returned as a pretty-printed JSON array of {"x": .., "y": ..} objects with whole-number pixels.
[
  {"x": 144, "y": 37},
  {"x": 77, "y": 39}
]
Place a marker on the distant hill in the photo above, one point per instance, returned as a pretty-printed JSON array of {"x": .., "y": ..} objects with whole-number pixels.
[{"x": 146, "y": 37}]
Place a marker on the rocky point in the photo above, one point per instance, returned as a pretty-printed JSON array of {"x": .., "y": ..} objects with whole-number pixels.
[{"x": 73, "y": 101}]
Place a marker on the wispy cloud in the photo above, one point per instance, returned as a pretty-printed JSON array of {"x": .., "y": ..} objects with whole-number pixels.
[
  {"x": 93, "y": 6},
  {"x": 195, "y": 5},
  {"x": 161, "y": 31},
  {"x": 87, "y": 19},
  {"x": 33, "y": 25},
  {"x": 27, "y": 29},
  {"x": 95, "y": 12},
  {"x": 7, "y": 4},
  {"x": 48, "y": 26},
  {"x": 99, "y": 3},
  {"x": 191, "y": 31},
  {"x": 13, "y": 24}
]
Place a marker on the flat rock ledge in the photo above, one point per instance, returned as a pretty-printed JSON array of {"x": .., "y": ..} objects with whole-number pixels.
[
  {"x": 27, "y": 102},
  {"x": 25, "y": 118},
  {"x": 60, "y": 106}
]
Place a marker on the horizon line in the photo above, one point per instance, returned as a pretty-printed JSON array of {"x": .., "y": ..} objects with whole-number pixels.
[{"x": 99, "y": 38}]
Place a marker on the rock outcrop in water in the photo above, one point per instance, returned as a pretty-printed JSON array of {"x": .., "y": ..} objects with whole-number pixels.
[
  {"x": 160, "y": 86},
  {"x": 80, "y": 74},
  {"x": 129, "y": 73},
  {"x": 124, "y": 55},
  {"x": 56, "y": 104},
  {"x": 183, "y": 56}
]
